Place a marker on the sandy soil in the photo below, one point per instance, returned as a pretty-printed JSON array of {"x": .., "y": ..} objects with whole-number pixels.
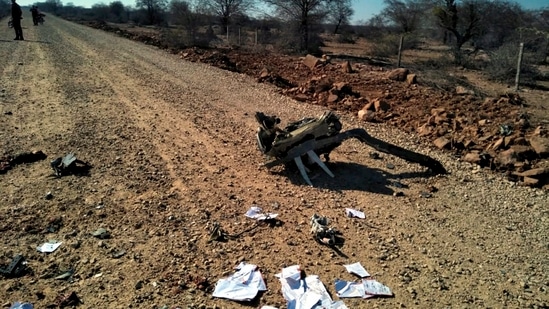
[{"x": 172, "y": 145}]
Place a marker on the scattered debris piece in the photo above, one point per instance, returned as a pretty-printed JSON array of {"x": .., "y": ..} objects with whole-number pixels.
[
  {"x": 505, "y": 130},
  {"x": 18, "y": 305},
  {"x": 305, "y": 293},
  {"x": 348, "y": 289},
  {"x": 67, "y": 300},
  {"x": 49, "y": 247},
  {"x": 118, "y": 254},
  {"x": 101, "y": 233},
  {"x": 357, "y": 269},
  {"x": 323, "y": 234},
  {"x": 312, "y": 137},
  {"x": 353, "y": 213},
  {"x": 69, "y": 164},
  {"x": 425, "y": 194},
  {"x": 255, "y": 212},
  {"x": 243, "y": 285},
  {"x": 65, "y": 275},
  {"x": 17, "y": 267},
  {"x": 218, "y": 234},
  {"x": 374, "y": 287},
  {"x": 48, "y": 196},
  {"x": 54, "y": 225},
  {"x": 367, "y": 288}
]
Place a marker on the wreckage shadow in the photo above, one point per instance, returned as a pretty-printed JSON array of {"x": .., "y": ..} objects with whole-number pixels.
[{"x": 351, "y": 176}]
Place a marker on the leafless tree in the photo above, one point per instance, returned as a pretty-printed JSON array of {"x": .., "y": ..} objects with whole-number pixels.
[
  {"x": 227, "y": 9},
  {"x": 302, "y": 12},
  {"x": 406, "y": 14},
  {"x": 153, "y": 9},
  {"x": 339, "y": 13},
  {"x": 183, "y": 13},
  {"x": 462, "y": 21}
]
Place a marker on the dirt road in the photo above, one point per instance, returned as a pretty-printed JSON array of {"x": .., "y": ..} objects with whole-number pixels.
[{"x": 173, "y": 150}]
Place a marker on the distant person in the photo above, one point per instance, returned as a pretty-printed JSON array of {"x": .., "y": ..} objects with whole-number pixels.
[
  {"x": 34, "y": 12},
  {"x": 16, "y": 16}
]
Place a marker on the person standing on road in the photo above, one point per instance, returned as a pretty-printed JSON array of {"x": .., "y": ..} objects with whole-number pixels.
[
  {"x": 34, "y": 12},
  {"x": 16, "y": 16}
]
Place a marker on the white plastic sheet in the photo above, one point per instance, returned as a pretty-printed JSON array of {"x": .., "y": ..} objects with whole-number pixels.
[
  {"x": 353, "y": 213},
  {"x": 243, "y": 285},
  {"x": 255, "y": 212}
]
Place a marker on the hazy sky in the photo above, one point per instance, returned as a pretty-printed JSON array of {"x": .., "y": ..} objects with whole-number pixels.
[{"x": 364, "y": 9}]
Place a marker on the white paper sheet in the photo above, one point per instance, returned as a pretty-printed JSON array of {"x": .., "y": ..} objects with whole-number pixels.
[
  {"x": 357, "y": 269},
  {"x": 353, "y": 213},
  {"x": 243, "y": 285},
  {"x": 374, "y": 287},
  {"x": 349, "y": 289},
  {"x": 49, "y": 247},
  {"x": 305, "y": 293}
]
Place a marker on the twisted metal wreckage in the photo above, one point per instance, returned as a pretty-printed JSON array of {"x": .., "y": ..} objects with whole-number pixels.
[{"x": 312, "y": 137}]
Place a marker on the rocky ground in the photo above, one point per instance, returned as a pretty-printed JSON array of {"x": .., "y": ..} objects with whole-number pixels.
[
  {"x": 508, "y": 135},
  {"x": 171, "y": 150}
]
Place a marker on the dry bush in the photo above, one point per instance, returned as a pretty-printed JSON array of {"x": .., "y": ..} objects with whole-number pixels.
[
  {"x": 503, "y": 65},
  {"x": 387, "y": 45}
]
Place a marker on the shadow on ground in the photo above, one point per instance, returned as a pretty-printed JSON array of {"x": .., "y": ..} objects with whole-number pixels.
[{"x": 351, "y": 176}]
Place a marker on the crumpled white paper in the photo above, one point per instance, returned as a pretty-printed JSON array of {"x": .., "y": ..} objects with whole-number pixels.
[
  {"x": 243, "y": 285},
  {"x": 365, "y": 289},
  {"x": 357, "y": 269},
  {"x": 255, "y": 212},
  {"x": 353, "y": 213},
  {"x": 305, "y": 293},
  {"x": 49, "y": 247}
]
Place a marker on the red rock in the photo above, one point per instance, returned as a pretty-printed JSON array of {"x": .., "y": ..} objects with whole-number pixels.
[
  {"x": 369, "y": 106},
  {"x": 497, "y": 144},
  {"x": 398, "y": 74},
  {"x": 366, "y": 115},
  {"x": 301, "y": 97},
  {"x": 540, "y": 131},
  {"x": 424, "y": 130},
  {"x": 514, "y": 154},
  {"x": 332, "y": 98},
  {"x": 311, "y": 61},
  {"x": 381, "y": 105},
  {"x": 438, "y": 111},
  {"x": 531, "y": 182},
  {"x": 472, "y": 157},
  {"x": 442, "y": 143},
  {"x": 462, "y": 90},
  {"x": 483, "y": 122},
  {"x": 541, "y": 171},
  {"x": 507, "y": 157},
  {"x": 346, "y": 67},
  {"x": 411, "y": 79},
  {"x": 341, "y": 87},
  {"x": 540, "y": 145}
]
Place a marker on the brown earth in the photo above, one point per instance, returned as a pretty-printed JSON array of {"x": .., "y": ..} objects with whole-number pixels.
[
  {"x": 463, "y": 119},
  {"x": 172, "y": 149}
]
